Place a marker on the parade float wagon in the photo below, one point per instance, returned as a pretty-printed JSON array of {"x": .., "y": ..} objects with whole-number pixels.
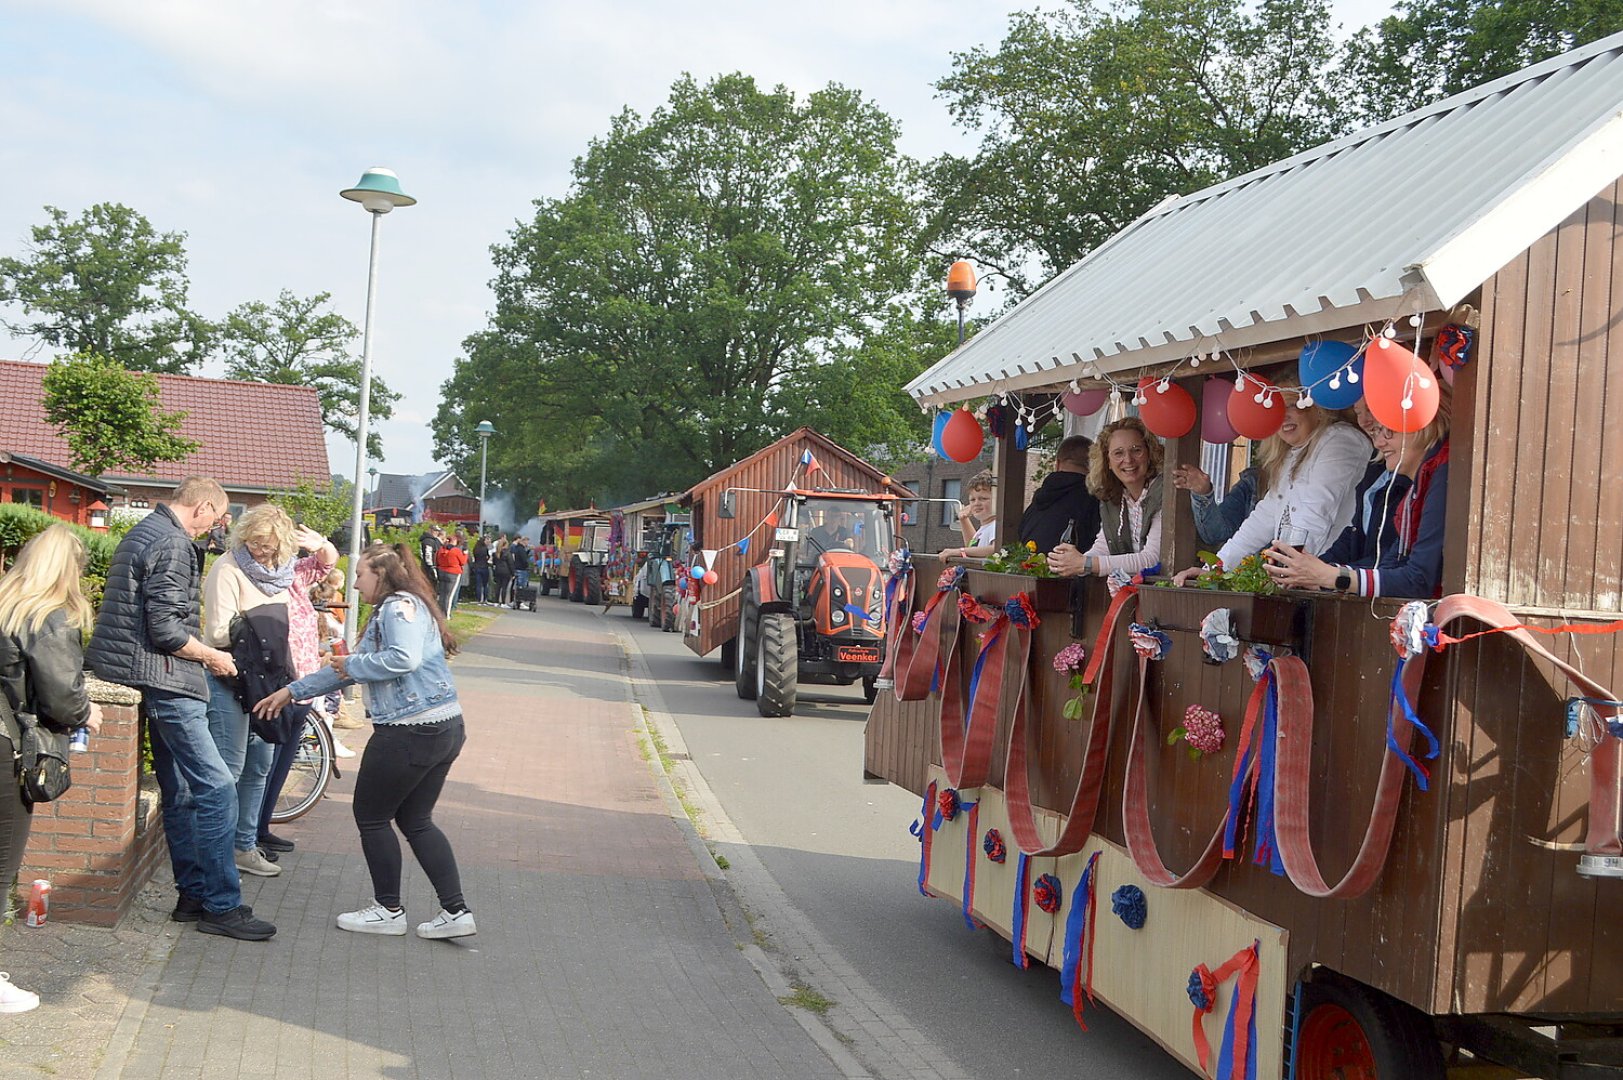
[
  {"x": 570, "y": 554},
  {"x": 784, "y": 540},
  {"x": 656, "y": 585},
  {"x": 1399, "y": 849},
  {"x": 635, "y": 530}
]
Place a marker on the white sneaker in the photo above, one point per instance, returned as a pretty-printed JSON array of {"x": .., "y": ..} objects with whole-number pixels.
[
  {"x": 14, "y": 999},
  {"x": 446, "y": 925},
  {"x": 339, "y": 748},
  {"x": 374, "y": 919},
  {"x": 253, "y": 862}
]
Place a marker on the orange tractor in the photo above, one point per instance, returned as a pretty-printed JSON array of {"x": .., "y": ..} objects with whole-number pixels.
[{"x": 813, "y": 610}]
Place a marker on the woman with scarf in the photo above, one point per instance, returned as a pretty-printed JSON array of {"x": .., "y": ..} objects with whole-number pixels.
[
  {"x": 1394, "y": 547},
  {"x": 1124, "y": 473},
  {"x": 261, "y": 567}
]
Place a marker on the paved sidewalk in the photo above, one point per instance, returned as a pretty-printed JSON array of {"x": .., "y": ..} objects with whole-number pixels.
[{"x": 603, "y": 950}]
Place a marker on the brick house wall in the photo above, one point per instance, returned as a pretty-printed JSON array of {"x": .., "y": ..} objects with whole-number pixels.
[{"x": 934, "y": 479}]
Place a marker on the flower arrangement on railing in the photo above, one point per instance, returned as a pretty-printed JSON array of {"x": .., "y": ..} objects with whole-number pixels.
[
  {"x": 1019, "y": 559},
  {"x": 1250, "y": 576},
  {"x": 1202, "y": 729},
  {"x": 1070, "y": 661}
]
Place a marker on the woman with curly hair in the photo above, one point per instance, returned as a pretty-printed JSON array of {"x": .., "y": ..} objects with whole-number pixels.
[
  {"x": 417, "y": 734},
  {"x": 1124, "y": 473},
  {"x": 261, "y": 566},
  {"x": 42, "y": 610}
]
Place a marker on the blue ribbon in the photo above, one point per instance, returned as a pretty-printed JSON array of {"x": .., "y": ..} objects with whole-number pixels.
[
  {"x": 917, "y": 829},
  {"x": 970, "y": 845},
  {"x": 1022, "y": 888},
  {"x": 1266, "y": 849},
  {"x": 1433, "y": 748},
  {"x": 857, "y": 613},
  {"x": 1225, "y": 1055},
  {"x": 1076, "y": 929},
  {"x": 993, "y": 640},
  {"x": 1231, "y": 827}
]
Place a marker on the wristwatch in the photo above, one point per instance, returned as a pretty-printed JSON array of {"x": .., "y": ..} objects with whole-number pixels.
[{"x": 1344, "y": 579}]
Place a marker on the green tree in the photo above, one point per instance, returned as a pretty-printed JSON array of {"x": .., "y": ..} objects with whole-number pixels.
[
  {"x": 1429, "y": 49},
  {"x": 300, "y": 341},
  {"x": 325, "y": 506},
  {"x": 1090, "y": 115},
  {"x": 108, "y": 283},
  {"x": 111, "y": 417},
  {"x": 673, "y": 312}
]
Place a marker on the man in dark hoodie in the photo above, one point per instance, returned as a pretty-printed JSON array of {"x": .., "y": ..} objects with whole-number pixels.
[{"x": 1063, "y": 499}]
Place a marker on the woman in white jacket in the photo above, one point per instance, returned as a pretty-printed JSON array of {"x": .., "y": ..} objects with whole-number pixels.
[{"x": 1308, "y": 474}]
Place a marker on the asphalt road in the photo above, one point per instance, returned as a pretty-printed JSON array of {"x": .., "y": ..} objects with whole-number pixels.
[{"x": 840, "y": 849}]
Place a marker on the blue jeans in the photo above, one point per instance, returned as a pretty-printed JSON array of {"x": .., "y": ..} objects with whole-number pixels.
[
  {"x": 481, "y": 583},
  {"x": 522, "y": 578},
  {"x": 247, "y": 757},
  {"x": 199, "y": 799}
]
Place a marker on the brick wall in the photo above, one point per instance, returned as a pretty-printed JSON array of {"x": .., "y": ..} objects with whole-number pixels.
[{"x": 99, "y": 843}]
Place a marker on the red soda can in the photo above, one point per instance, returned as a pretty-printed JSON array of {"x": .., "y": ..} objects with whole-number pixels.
[
  {"x": 340, "y": 647},
  {"x": 39, "y": 903}
]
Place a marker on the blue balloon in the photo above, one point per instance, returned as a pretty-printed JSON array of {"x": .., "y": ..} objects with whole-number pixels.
[
  {"x": 941, "y": 419},
  {"x": 1319, "y": 363}
]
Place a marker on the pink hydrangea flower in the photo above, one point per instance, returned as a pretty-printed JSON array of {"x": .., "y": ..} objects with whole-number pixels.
[
  {"x": 1070, "y": 658},
  {"x": 1203, "y": 729}
]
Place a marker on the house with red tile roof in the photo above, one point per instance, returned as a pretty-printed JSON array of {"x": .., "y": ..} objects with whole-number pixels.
[{"x": 254, "y": 438}]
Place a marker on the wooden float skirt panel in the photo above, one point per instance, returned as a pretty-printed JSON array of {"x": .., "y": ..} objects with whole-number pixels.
[
  {"x": 1450, "y": 926},
  {"x": 1142, "y": 974}
]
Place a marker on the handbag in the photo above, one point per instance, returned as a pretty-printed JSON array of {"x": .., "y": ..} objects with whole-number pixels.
[{"x": 42, "y": 760}]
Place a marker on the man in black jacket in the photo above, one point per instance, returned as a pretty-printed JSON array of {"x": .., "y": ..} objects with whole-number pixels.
[
  {"x": 147, "y": 636},
  {"x": 428, "y": 550},
  {"x": 1063, "y": 500}
]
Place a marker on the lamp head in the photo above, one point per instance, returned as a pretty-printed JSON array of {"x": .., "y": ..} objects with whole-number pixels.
[
  {"x": 379, "y": 191},
  {"x": 485, "y": 429},
  {"x": 961, "y": 280}
]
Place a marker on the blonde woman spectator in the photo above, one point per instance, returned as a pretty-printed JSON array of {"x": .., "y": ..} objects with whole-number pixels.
[{"x": 42, "y": 612}]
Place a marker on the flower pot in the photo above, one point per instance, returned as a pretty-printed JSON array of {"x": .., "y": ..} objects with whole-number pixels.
[{"x": 1047, "y": 594}]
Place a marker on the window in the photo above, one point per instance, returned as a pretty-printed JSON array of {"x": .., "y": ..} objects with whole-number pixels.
[
  {"x": 910, "y": 514},
  {"x": 28, "y": 496},
  {"x": 951, "y": 490}
]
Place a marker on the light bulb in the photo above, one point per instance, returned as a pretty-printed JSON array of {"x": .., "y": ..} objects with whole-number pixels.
[
  {"x": 1268, "y": 401},
  {"x": 1335, "y": 381},
  {"x": 1194, "y": 361},
  {"x": 1414, "y": 320},
  {"x": 1304, "y": 402},
  {"x": 1352, "y": 377},
  {"x": 1259, "y": 399},
  {"x": 1425, "y": 383},
  {"x": 1161, "y": 387},
  {"x": 1076, "y": 387},
  {"x": 1407, "y": 403},
  {"x": 1389, "y": 333}
]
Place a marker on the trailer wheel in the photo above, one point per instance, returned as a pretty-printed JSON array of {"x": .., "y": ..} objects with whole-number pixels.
[
  {"x": 639, "y": 607},
  {"x": 1350, "y": 1031},
  {"x": 729, "y": 656},
  {"x": 749, "y": 628},
  {"x": 870, "y": 689},
  {"x": 777, "y": 664},
  {"x": 655, "y": 619},
  {"x": 543, "y": 586},
  {"x": 591, "y": 587}
]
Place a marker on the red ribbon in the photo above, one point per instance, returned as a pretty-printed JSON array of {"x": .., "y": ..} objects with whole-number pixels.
[{"x": 1244, "y": 963}]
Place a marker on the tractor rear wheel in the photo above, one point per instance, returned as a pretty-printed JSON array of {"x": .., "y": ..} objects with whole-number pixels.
[
  {"x": 777, "y": 664},
  {"x": 667, "y": 607},
  {"x": 1352, "y": 1032},
  {"x": 749, "y": 628},
  {"x": 592, "y": 585}
]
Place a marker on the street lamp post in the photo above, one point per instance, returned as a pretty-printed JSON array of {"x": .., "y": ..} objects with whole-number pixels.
[
  {"x": 378, "y": 191},
  {"x": 961, "y": 288},
  {"x": 485, "y": 430}
]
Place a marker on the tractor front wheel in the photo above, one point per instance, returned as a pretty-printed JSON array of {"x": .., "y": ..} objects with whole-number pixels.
[
  {"x": 639, "y": 607},
  {"x": 1352, "y": 1032},
  {"x": 667, "y": 607},
  {"x": 592, "y": 585},
  {"x": 777, "y": 664}
]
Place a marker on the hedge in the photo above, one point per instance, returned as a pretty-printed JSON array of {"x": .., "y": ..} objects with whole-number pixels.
[{"x": 20, "y": 524}]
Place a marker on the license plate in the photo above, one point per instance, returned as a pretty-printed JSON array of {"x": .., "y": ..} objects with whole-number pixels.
[
  {"x": 857, "y": 654},
  {"x": 786, "y": 536}
]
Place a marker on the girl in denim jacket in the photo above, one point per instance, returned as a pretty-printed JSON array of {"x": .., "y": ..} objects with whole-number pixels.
[{"x": 400, "y": 662}]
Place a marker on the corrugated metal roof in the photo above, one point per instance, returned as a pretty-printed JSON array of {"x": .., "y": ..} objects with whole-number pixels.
[{"x": 1407, "y": 216}]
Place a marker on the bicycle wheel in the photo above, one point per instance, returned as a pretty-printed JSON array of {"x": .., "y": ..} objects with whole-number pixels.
[{"x": 309, "y": 774}]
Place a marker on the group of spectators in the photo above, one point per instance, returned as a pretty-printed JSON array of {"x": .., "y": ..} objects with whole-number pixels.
[
  {"x": 230, "y": 667},
  {"x": 496, "y": 568},
  {"x": 1331, "y": 502}
]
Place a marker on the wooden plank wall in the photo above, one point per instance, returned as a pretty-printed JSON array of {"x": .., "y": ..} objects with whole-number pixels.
[
  {"x": 1540, "y": 474},
  {"x": 1449, "y": 926}
]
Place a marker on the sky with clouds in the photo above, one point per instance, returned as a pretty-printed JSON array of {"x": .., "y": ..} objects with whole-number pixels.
[{"x": 238, "y": 123}]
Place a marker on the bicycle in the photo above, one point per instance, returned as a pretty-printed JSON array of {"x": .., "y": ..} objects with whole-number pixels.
[{"x": 314, "y": 767}]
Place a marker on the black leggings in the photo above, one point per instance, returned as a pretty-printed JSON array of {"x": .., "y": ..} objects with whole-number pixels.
[
  {"x": 15, "y": 818},
  {"x": 402, "y": 773}
]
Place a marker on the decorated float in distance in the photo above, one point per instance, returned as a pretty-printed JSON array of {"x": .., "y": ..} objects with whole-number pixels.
[{"x": 1295, "y": 831}]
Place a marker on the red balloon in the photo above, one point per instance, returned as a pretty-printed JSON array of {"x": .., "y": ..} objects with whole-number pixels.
[
  {"x": 1252, "y": 418},
  {"x": 1400, "y": 390},
  {"x": 962, "y": 438},
  {"x": 711, "y": 577},
  {"x": 1214, "y": 411},
  {"x": 1085, "y": 402},
  {"x": 1171, "y": 414}
]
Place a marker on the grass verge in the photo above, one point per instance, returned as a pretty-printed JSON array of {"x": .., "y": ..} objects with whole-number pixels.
[{"x": 465, "y": 624}]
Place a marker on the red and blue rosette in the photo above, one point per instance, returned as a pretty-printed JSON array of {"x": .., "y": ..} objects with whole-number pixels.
[
  {"x": 994, "y": 847},
  {"x": 1021, "y": 612},
  {"x": 1048, "y": 893},
  {"x": 947, "y": 806},
  {"x": 1150, "y": 642},
  {"x": 972, "y": 610},
  {"x": 1237, "y": 1057}
]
